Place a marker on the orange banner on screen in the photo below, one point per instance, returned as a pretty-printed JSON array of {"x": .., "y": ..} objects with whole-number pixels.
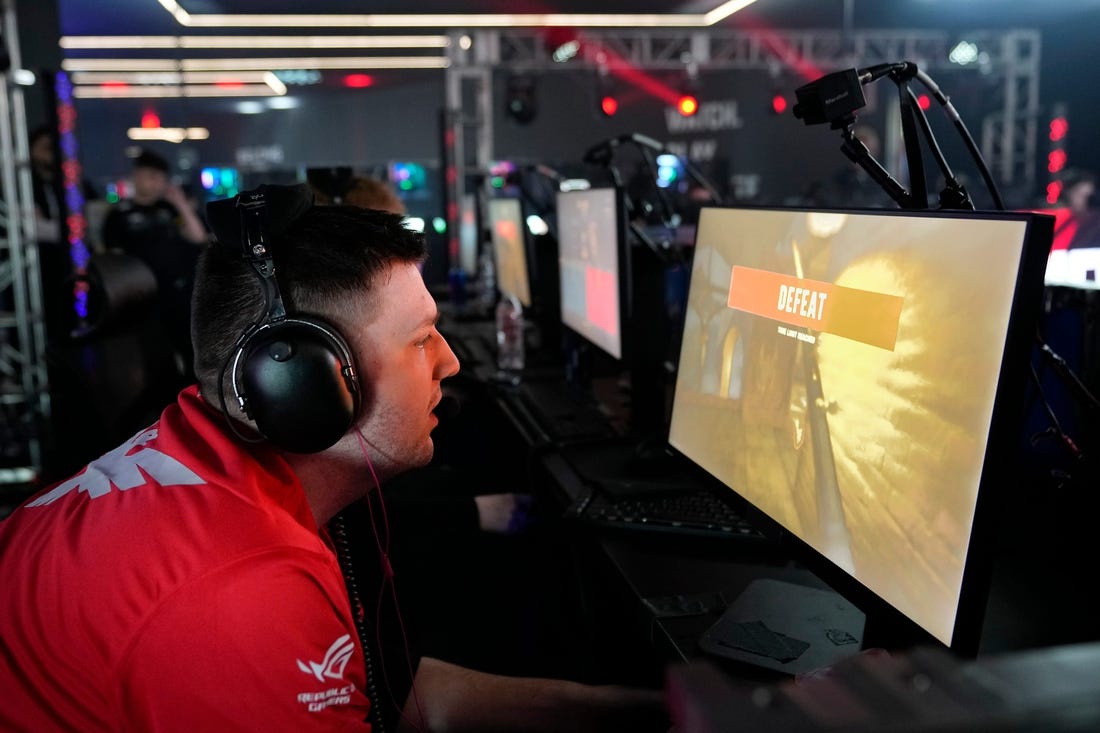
[{"x": 860, "y": 315}]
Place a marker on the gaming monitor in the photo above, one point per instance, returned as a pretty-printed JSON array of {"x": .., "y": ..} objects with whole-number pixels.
[
  {"x": 510, "y": 249},
  {"x": 594, "y": 265},
  {"x": 858, "y": 377},
  {"x": 1074, "y": 268}
]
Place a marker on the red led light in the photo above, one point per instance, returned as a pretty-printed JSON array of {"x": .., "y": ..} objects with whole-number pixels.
[
  {"x": 150, "y": 120},
  {"x": 779, "y": 104},
  {"x": 924, "y": 101},
  {"x": 1054, "y": 191},
  {"x": 1059, "y": 126},
  {"x": 688, "y": 105},
  {"x": 358, "y": 81},
  {"x": 1056, "y": 160},
  {"x": 609, "y": 106}
]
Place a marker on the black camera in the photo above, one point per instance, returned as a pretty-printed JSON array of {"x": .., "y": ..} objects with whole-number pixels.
[{"x": 833, "y": 98}]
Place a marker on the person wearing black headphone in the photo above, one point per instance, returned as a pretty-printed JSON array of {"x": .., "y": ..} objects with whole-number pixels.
[{"x": 186, "y": 580}]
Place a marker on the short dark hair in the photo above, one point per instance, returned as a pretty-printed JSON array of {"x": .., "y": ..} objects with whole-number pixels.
[
  {"x": 149, "y": 159},
  {"x": 323, "y": 258}
]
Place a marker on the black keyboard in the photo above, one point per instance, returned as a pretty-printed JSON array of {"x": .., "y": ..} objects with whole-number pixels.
[{"x": 694, "y": 511}]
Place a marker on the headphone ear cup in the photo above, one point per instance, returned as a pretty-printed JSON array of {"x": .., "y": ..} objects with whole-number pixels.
[{"x": 299, "y": 385}]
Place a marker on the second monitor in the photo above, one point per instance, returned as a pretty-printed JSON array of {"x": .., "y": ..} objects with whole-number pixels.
[{"x": 591, "y": 257}]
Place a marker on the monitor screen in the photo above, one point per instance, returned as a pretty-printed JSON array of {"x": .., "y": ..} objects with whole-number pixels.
[
  {"x": 591, "y": 257},
  {"x": 1075, "y": 268},
  {"x": 510, "y": 249},
  {"x": 858, "y": 377}
]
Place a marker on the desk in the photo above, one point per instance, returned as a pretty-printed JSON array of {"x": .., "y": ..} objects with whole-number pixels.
[{"x": 622, "y": 579}]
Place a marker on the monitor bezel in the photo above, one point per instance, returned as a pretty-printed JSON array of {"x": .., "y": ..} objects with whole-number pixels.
[{"x": 888, "y": 626}]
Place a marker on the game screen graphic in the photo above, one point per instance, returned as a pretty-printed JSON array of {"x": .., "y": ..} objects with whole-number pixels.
[
  {"x": 838, "y": 370},
  {"x": 588, "y": 256},
  {"x": 506, "y": 220}
]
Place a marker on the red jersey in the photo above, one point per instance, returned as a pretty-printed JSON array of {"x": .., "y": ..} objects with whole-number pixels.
[{"x": 177, "y": 583}]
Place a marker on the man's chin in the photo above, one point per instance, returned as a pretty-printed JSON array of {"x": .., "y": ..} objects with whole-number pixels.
[{"x": 423, "y": 456}]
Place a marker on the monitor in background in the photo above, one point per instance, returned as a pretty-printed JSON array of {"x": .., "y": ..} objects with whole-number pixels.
[
  {"x": 859, "y": 378},
  {"x": 507, "y": 227},
  {"x": 1074, "y": 268},
  {"x": 593, "y": 267}
]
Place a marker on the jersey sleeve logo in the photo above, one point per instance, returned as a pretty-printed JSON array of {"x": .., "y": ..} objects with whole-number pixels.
[
  {"x": 122, "y": 469},
  {"x": 336, "y": 658}
]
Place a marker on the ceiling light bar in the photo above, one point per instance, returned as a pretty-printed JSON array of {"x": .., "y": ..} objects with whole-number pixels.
[
  {"x": 74, "y": 65},
  {"x": 102, "y": 43},
  {"x": 272, "y": 81},
  {"x": 170, "y": 77},
  {"x": 256, "y": 63},
  {"x": 451, "y": 20},
  {"x": 189, "y": 90},
  {"x": 168, "y": 134},
  {"x": 725, "y": 10},
  {"x": 321, "y": 62},
  {"x": 461, "y": 20}
]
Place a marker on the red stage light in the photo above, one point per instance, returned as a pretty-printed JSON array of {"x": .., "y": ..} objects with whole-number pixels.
[
  {"x": 924, "y": 101},
  {"x": 687, "y": 105},
  {"x": 150, "y": 120},
  {"x": 358, "y": 81},
  {"x": 779, "y": 104},
  {"x": 609, "y": 106}
]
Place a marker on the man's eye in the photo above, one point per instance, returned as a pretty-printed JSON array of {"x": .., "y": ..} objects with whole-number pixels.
[{"x": 424, "y": 341}]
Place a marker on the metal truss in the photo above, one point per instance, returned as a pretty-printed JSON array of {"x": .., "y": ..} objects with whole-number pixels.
[
  {"x": 1008, "y": 135},
  {"x": 24, "y": 391}
]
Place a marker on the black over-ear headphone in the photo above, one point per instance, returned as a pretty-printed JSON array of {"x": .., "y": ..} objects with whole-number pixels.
[{"x": 293, "y": 375}]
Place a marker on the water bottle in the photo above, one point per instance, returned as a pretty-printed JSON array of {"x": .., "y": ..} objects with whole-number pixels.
[{"x": 510, "y": 350}]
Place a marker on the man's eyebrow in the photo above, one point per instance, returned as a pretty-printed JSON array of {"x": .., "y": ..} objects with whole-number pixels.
[{"x": 428, "y": 320}]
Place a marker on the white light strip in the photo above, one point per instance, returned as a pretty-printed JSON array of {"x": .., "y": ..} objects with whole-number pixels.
[
  {"x": 73, "y": 65},
  {"x": 274, "y": 82},
  {"x": 170, "y": 77},
  {"x": 100, "y": 43},
  {"x": 257, "y": 64},
  {"x": 459, "y": 20},
  {"x": 191, "y": 90},
  {"x": 320, "y": 62},
  {"x": 725, "y": 10},
  {"x": 449, "y": 20},
  {"x": 168, "y": 134}
]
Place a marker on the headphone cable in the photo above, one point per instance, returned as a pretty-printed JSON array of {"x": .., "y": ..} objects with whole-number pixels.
[{"x": 358, "y": 613}]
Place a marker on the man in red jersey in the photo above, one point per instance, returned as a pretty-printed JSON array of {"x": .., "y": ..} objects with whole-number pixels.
[{"x": 184, "y": 581}]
